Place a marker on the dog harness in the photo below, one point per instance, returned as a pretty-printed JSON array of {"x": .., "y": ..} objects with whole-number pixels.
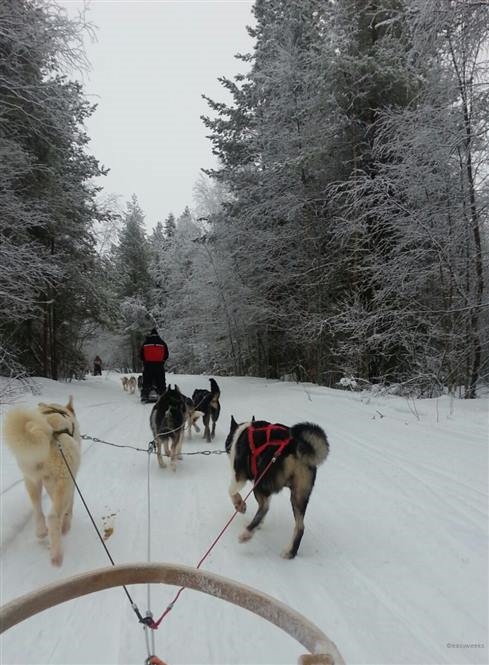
[
  {"x": 271, "y": 439},
  {"x": 50, "y": 410}
]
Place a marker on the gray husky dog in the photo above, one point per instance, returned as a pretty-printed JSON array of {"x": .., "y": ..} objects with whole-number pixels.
[
  {"x": 167, "y": 421},
  {"x": 298, "y": 451}
]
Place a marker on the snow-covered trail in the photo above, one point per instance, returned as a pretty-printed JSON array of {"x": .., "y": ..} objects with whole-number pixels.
[{"x": 393, "y": 564}]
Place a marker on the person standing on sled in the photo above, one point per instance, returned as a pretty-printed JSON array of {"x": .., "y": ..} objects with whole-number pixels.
[{"x": 154, "y": 354}]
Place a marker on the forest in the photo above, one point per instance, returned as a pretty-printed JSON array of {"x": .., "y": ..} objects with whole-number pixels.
[{"x": 341, "y": 240}]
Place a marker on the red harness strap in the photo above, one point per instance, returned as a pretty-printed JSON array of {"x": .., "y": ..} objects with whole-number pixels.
[{"x": 269, "y": 441}]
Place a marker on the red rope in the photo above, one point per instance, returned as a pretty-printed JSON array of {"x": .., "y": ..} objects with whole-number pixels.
[{"x": 155, "y": 624}]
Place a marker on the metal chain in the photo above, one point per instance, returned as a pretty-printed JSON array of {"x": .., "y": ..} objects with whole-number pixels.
[{"x": 87, "y": 437}]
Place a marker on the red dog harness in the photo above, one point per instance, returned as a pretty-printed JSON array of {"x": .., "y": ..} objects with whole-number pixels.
[{"x": 269, "y": 430}]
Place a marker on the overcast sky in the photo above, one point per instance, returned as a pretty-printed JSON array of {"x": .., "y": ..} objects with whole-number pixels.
[{"x": 149, "y": 66}]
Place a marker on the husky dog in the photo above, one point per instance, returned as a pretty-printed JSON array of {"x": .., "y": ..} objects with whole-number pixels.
[
  {"x": 207, "y": 401},
  {"x": 167, "y": 422},
  {"x": 191, "y": 415},
  {"x": 298, "y": 451},
  {"x": 33, "y": 435},
  {"x": 124, "y": 381},
  {"x": 131, "y": 384}
]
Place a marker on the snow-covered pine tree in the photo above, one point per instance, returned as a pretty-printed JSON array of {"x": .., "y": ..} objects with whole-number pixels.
[
  {"x": 48, "y": 203},
  {"x": 134, "y": 285}
]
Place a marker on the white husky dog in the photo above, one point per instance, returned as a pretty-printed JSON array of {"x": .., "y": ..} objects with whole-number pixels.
[{"x": 33, "y": 435}]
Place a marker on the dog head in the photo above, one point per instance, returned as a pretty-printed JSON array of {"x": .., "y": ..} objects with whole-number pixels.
[
  {"x": 174, "y": 398},
  {"x": 232, "y": 431},
  {"x": 61, "y": 418}
]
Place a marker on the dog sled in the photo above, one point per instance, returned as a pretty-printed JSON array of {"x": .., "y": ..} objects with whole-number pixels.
[
  {"x": 153, "y": 395},
  {"x": 322, "y": 651}
]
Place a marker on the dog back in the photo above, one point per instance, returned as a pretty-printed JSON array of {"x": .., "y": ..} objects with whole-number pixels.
[
  {"x": 29, "y": 433},
  {"x": 307, "y": 446},
  {"x": 168, "y": 414}
]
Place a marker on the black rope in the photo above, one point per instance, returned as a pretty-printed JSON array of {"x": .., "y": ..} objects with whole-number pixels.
[{"x": 133, "y": 604}]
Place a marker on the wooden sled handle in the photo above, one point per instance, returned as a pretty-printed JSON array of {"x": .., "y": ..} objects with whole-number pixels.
[{"x": 322, "y": 651}]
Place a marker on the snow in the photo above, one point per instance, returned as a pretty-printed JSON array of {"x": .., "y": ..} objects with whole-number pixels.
[{"x": 392, "y": 566}]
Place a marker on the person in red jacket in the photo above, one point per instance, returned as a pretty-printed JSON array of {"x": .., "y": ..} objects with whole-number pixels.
[{"x": 154, "y": 354}]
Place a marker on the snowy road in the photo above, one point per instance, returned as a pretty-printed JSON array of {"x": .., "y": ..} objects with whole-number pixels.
[{"x": 393, "y": 564}]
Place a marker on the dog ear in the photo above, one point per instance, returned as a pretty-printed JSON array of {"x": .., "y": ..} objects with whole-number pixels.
[
  {"x": 177, "y": 388},
  {"x": 69, "y": 406},
  {"x": 252, "y": 419},
  {"x": 234, "y": 424}
]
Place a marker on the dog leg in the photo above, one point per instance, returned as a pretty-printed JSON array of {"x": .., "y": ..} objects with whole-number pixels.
[
  {"x": 263, "y": 506},
  {"x": 176, "y": 449},
  {"x": 66, "y": 523},
  {"x": 34, "y": 489},
  {"x": 207, "y": 432},
  {"x": 60, "y": 506},
  {"x": 161, "y": 461},
  {"x": 166, "y": 445},
  {"x": 213, "y": 433},
  {"x": 174, "y": 455},
  {"x": 236, "y": 498},
  {"x": 299, "y": 500},
  {"x": 180, "y": 444}
]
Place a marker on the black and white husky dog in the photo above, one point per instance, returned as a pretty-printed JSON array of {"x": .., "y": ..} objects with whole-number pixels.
[
  {"x": 167, "y": 421},
  {"x": 207, "y": 402},
  {"x": 298, "y": 450}
]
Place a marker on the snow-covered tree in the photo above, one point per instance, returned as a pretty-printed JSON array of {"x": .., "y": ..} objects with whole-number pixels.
[
  {"x": 47, "y": 203},
  {"x": 133, "y": 281}
]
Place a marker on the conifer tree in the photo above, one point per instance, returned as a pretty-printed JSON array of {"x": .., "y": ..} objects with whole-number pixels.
[{"x": 47, "y": 200}]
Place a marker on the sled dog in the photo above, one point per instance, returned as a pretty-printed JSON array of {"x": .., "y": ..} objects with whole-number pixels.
[
  {"x": 131, "y": 384},
  {"x": 167, "y": 421},
  {"x": 298, "y": 451},
  {"x": 33, "y": 435},
  {"x": 191, "y": 415},
  {"x": 207, "y": 401},
  {"x": 124, "y": 381}
]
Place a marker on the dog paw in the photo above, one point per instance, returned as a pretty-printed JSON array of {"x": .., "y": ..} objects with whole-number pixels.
[
  {"x": 57, "y": 559},
  {"x": 287, "y": 554},
  {"x": 244, "y": 536},
  {"x": 239, "y": 505},
  {"x": 41, "y": 532}
]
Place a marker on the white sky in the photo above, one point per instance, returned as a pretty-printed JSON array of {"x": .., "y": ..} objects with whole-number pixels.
[{"x": 149, "y": 66}]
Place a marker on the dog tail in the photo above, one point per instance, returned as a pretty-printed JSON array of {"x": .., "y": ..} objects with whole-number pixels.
[
  {"x": 28, "y": 434},
  {"x": 312, "y": 443},
  {"x": 215, "y": 391}
]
